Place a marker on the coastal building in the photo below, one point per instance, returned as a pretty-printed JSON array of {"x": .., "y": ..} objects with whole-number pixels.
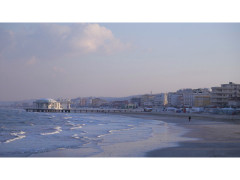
[
  {"x": 147, "y": 100},
  {"x": 46, "y": 104},
  {"x": 160, "y": 99},
  {"x": 201, "y": 97},
  {"x": 175, "y": 99},
  {"x": 85, "y": 102},
  {"x": 225, "y": 95},
  {"x": 201, "y": 101},
  {"x": 136, "y": 101},
  {"x": 96, "y": 102},
  {"x": 119, "y": 104},
  {"x": 65, "y": 103},
  {"x": 234, "y": 103},
  {"x": 187, "y": 97},
  {"x": 131, "y": 106},
  {"x": 190, "y": 98}
]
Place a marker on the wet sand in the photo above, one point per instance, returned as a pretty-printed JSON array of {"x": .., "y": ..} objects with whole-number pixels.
[
  {"x": 215, "y": 137},
  {"x": 163, "y": 135}
]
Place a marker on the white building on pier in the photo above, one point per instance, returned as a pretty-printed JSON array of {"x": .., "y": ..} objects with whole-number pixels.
[
  {"x": 65, "y": 103},
  {"x": 46, "y": 104}
]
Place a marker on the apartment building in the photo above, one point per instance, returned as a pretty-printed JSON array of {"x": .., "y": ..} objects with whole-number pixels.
[
  {"x": 136, "y": 101},
  {"x": 187, "y": 97},
  {"x": 65, "y": 103},
  {"x": 160, "y": 99},
  {"x": 225, "y": 95},
  {"x": 85, "y": 102},
  {"x": 119, "y": 104},
  {"x": 147, "y": 100},
  {"x": 201, "y": 97},
  {"x": 96, "y": 102},
  {"x": 190, "y": 98},
  {"x": 175, "y": 99}
]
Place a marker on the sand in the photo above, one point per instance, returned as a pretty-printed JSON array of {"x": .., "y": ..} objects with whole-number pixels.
[{"x": 215, "y": 137}]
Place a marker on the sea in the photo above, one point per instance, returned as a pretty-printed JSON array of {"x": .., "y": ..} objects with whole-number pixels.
[{"x": 33, "y": 134}]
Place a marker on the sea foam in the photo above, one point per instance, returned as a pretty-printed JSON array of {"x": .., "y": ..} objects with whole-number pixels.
[
  {"x": 18, "y": 135},
  {"x": 58, "y": 130},
  {"x": 76, "y": 127}
]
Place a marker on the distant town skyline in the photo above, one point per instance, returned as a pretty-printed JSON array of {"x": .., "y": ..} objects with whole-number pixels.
[{"x": 115, "y": 59}]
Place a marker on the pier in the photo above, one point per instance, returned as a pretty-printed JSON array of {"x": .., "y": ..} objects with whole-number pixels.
[
  {"x": 141, "y": 111},
  {"x": 48, "y": 110},
  {"x": 82, "y": 110}
]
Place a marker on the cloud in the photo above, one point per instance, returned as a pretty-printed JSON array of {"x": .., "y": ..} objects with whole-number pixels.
[
  {"x": 32, "y": 61},
  {"x": 52, "y": 41},
  {"x": 98, "y": 38},
  {"x": 59, "y": 30},
  {"x": 58, "y": 69}
]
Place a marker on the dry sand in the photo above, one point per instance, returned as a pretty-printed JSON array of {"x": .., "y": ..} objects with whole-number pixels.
[{"x": 216, "y": 137}]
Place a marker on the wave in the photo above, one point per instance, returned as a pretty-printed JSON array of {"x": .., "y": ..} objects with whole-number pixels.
[
  {"x": 99, "y": 136},
  {"x": 58, "y": 130},
  {"x": 116, "y": 130},
  {"x": 76, "y": 127},
  {"x": 127, "y": 129},
  {"x": 51, "y": 117},
  {"x": 18, "y": 135},
  {"x": 76, "y": 136},
  {"x": 67, "y": 118}
]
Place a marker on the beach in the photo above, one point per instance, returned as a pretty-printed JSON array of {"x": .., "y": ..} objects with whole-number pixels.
[
  {"x": 203, "y": 136},
  {"x": 216, "y": 136}
]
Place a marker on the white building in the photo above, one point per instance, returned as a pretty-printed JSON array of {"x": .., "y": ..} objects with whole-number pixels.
[
  {"x": 65, "y": 103},
  {"x": 187, "y": 97},
  {"x": 160, "y": 99},
  {"x": 46, "y": 104},
  {"x": 175, "y": 99},
  {"x": 193, "y": 97},
  {"x": 225, "y": 95},
  {"x": 201, "y": 97}
]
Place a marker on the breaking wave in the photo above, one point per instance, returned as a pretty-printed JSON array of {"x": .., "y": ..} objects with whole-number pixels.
[
  {"x": 58, "y": 130},
  {"x": 76, "y": 127},
  {"x": 18, "y": 135}
]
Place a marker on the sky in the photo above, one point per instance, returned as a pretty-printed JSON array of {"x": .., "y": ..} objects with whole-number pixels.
[{"x": 51, "y": 60}]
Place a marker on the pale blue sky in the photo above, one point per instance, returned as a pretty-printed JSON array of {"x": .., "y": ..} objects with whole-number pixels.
[{"x": 115, "y": 59}]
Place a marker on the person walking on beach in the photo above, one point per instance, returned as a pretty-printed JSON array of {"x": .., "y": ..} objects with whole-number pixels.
[{"x": 189, "y": 118}]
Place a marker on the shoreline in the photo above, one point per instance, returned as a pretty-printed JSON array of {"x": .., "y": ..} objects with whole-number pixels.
[
  {"x": 163, "y": 135},
  {"x": 204, "y": 136},
  {"x": 140, "y": 147}
]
